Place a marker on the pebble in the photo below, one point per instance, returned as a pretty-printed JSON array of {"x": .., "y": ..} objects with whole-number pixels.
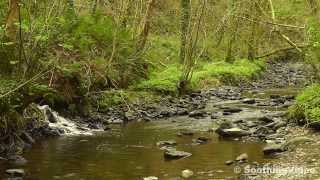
[{"x": 187, "y": 173}]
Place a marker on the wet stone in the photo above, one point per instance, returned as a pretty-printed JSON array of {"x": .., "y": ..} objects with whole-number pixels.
[
  {"x": 166, "y": 143},
  {"x": 232, "y": 132},
  {"x": 185, "y": 133},
  {"x": 242, "y": 158},
  {"x": 248, "y": 101},
  {"x": 272, "y": 149},
  {"x": 187, "y": 173},
  {"x": 266, "y": 119},
  {"x": 231, "y": 110},
  {"x": 15, "y": 172},
  {"x": 172, "y": 154},
  {"x": 17, "y": 160},
  {"x": 229, "y": 162},
  {"x": 197, "y": 113},
  {"x": 150, "y": 178}
]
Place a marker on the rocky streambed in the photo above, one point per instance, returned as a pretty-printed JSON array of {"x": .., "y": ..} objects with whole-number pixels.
[{"x": 210, "y": 134}]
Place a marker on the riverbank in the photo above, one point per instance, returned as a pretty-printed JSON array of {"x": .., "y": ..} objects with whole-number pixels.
[
  {"x": 98, "y": 108},
  {"x": 253, "y": 114}
]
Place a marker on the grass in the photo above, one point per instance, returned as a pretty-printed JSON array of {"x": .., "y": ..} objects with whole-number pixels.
[
  {"x": 307, "y": 107},
  {"x": 222, "y": 72},
  {"x": 206, "y": 75}
]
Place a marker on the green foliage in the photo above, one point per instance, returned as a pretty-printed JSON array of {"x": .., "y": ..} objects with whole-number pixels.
[
  {"x": 204, "y": 76},
  {"x": 87, "y": 32},
  {"x": 307, "y": 105},
  {"x": 12, "y": 101},
  {"x": 164, "y": 49},
  {"x": 240, "y": 70},
  {"x": 162, "y": 81},
  {"x": 10, "y": 106},
  {"x": 108, "y": 99}
]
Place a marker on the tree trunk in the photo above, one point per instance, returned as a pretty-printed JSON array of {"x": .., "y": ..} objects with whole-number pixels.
[
  {"x": 315, "y": 8},
  {"x": 146, "y": 26},
  {"x": 12, "y": 18},
  {"x": 71, "y": 9},
  {"x": 94, "y": 7},
  {"x": 252, "y": 40},
  {"x": 185, "y": 21},
  {"x": 234, "y": 29}
]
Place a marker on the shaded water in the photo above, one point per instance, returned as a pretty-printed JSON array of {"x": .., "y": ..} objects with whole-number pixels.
[{"x": 130, "y": 152}]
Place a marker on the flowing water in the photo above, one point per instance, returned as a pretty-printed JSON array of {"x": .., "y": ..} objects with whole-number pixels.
[{"x": 130, "y": 152}]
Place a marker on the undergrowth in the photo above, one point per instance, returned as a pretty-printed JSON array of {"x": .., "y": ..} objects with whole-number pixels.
[
  {"x": 307, "y": 106},
  {"x": 205, "y": 75}
]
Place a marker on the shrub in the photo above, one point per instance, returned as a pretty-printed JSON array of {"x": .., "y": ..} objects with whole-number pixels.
[{"x": 307, "y": 107}]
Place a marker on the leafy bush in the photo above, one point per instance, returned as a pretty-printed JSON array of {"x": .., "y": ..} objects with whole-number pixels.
[{"x": 307, "y": 107}]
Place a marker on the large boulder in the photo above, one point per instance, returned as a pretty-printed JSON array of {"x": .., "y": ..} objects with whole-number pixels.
[
  {"x": 291, "y": 144},
  {"x": 49, "y": 114},
  {"x": 296, "y": 141}
]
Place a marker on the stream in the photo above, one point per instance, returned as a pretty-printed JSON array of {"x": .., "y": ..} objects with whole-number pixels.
[{"x": 130, "y": 151}]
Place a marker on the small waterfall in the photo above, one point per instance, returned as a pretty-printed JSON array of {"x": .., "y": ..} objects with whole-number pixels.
[{"x": 62, "y": 124}]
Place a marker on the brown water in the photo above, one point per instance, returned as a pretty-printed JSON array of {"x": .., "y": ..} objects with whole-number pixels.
[{"x": 130, "y": 153}]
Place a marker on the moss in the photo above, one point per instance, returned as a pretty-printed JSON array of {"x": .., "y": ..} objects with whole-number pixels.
[
  {"x": 222, "y": 72},
  {"x": 206, "y": 75},
  {"x": 307, "y": 106},
  {"x": 163, "y": 81}
]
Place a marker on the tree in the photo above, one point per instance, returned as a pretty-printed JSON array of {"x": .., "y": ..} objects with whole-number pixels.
[
  {"x": 314, "y": 36},
  {"x": 189, "y": 40},
  {"x": 252, "y": 39},
  {"x": 233, "y": 30},
  {"x": 12, "y": 18},
  {"x": 145, "y": 26},
  {"x": 185, "y": 21}
]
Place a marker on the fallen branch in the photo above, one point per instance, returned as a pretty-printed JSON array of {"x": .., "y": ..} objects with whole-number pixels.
[
  {"x": 280, "y": 50},
  {"x": 286, "y": 38}
]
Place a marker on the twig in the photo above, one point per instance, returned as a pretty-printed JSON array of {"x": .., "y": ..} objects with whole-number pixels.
[
  {"x": 25, "y": 83},
  {"x": 286, "y": 38},
  {"x": 271, "y": 23}
]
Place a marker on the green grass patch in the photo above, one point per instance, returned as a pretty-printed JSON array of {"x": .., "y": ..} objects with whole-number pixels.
[
  {"x": 222, "y": 72},
  {"x": 307, "y": 107},
  {"x": 206, "y": 75}
]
